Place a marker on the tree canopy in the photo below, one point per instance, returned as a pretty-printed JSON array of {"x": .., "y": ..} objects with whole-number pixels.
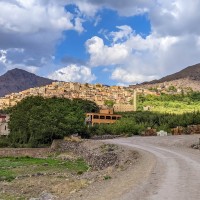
[{"x": 36, "y": 120}]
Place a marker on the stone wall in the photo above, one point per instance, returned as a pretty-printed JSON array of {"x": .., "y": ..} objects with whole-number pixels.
[{"x": 32, "y": 152}]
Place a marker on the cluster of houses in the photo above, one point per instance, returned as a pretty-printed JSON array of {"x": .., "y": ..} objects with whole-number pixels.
[{"x": 122, "y": 97}]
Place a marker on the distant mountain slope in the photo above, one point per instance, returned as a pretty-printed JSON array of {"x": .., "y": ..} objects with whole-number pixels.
[
  {"x": 17, "y": 80},
  {"x": 186, "y": 79},
  {"x": 190, "y": 73}
]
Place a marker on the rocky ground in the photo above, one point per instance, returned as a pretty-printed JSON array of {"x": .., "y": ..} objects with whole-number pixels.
[
  {"x": 106, "y": 161},
  {"x": 160, "y": 173},
  {"x": 137, "y": 168}
]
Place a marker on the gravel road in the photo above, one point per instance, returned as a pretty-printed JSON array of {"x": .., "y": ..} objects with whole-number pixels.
[{"x": 176, "y": 171}]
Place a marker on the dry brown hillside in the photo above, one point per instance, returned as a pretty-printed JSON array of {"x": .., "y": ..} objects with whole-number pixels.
[{"x": 186, "y": 78}]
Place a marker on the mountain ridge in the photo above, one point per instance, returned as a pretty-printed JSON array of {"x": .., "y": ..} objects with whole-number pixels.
[
  {"x": 17, "y": 80},
  {"x": 192, "y": 72},
  {"x": 184, "y": 79}
]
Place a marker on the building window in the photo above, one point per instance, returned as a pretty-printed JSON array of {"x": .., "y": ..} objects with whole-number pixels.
[
  {"x": 5, "y": 128},
  {"x": 96, "y": 117},
  {"x": 114, "y": 118},
  {"x": 102, "y": 117},
  {"x": 108, "y": 117},
  {"x": 118, "y": 118}
]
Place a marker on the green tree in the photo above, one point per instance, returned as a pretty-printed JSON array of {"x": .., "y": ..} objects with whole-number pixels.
[
  {"x": 109, "y": 103},
  {"x": 35, "y": 120}
]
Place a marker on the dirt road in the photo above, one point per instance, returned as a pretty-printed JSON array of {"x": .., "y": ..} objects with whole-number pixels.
[{"x": 176, "y": 173}]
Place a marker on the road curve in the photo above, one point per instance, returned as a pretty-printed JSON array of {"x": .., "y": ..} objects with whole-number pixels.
[{"x": 176, "y": 174}]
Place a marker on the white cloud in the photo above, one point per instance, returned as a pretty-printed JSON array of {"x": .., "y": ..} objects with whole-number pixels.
[
  {"x": 137, "y": 59},
  {"x": 43, "y": 17},
  {"x": 30, "y": 30},
  {"x": 101, "y": 54},
  {"x": 3, "y": 56},
  {"x": 172, "y": 44},
  {"x": 36, "y": 27},
  {"x": 97, "y": 20},
  {"x": 125, "y": 76},
  {"x": 79, "y": 25},
  {"x": 73, "y": 73},
  {"x": 175, "y": 17},
  {"x": 123, "y": 33},
  {"x": 124, "y": 8}
]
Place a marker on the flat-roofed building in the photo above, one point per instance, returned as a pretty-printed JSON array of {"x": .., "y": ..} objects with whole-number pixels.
[{"x": 103, "y": 117}]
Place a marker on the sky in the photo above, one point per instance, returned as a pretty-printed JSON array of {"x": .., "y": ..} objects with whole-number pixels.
[{"x": 113, "y": 42}]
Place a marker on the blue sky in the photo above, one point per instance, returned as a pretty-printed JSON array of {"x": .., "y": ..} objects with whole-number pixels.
[
  {"x": 105, "y": 41},
  {"x": 76, "y": 51}
]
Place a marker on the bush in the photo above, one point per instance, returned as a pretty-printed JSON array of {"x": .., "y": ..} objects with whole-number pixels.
[{"x": 4, "y": 142}]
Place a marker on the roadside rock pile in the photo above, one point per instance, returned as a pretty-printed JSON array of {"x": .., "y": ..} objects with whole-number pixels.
[
  {"x": 195, "y": 146},
  {"x": 149, "y": 132},
  {"x": 193, "y": 129},
  {"x": 98, "y": 157},
  {"x": 97, "y": 154}
]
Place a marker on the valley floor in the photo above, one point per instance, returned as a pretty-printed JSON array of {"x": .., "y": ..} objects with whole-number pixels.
[{"x": 164, "y": 168}]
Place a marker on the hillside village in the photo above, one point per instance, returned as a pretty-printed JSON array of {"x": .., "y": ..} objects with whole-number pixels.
[{"x": 122, "y": 97}]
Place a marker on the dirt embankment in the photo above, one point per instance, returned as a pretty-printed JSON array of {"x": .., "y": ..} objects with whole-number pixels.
[{"x": 98, "y": 155}]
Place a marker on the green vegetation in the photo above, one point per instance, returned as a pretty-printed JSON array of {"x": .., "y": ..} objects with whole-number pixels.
[
  {"x": 11, "y": 197},
  {"x": 36, "y": 121},
  {"x": 133, "y": 123},
  {"x": 11, "y": 167},
  {"x": 109, "y": 103},
  {"x": 107, "y": 177},
  {"x": 166, "y": 103},
  {"x": 172, "y": 88}
]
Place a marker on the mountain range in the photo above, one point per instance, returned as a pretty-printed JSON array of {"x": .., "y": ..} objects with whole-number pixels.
[{"x": 17, "y": 80}]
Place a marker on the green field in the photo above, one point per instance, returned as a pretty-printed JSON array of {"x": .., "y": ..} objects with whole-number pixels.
[
  {"x": 12, "y": 167},
  {"x": 164, "y": 103},
  {"x": 176, "y": 107}
]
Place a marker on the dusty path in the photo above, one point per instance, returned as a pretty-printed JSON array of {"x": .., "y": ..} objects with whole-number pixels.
[{"x": 176, "y": 174}]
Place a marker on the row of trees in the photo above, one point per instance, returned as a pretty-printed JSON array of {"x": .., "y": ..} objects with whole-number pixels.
[{"x": 192, "y": 96}]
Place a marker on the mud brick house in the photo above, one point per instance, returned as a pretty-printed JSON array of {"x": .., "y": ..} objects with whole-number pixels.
[{"x": 4, "y": 131}]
